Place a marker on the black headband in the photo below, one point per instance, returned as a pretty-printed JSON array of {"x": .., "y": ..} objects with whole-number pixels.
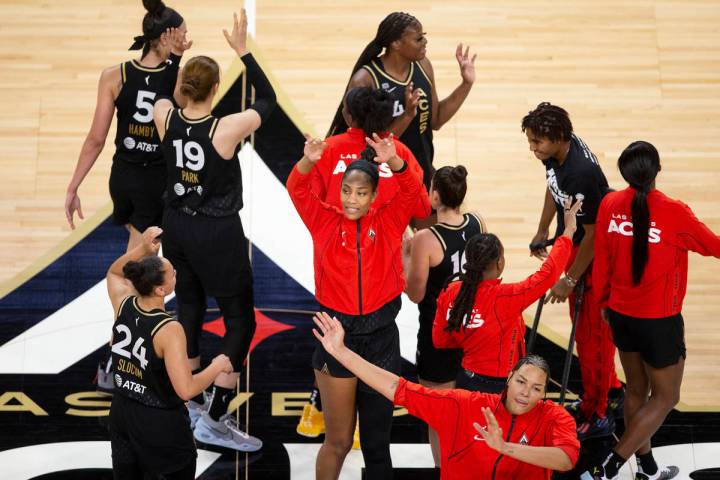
[
  {"x": 364, "y": 166},
  {"x": 174, "y": 20}
]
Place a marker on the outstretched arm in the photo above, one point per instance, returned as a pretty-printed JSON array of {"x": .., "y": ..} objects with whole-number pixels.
[
  {"x": 331, "y": 335},
  {"x": 118, "y": 286},
  {"x": 232, "y": 129},
  {"x": 110, "y": 79}
]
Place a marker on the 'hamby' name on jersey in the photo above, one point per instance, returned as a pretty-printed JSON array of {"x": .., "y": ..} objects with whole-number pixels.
[
  {"x": 622, "y": 224},
  {"x": 347, "y": 158}
]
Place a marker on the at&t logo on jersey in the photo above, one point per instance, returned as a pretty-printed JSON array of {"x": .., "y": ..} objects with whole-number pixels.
[
  {"x": 621, "y": 224},
  {"x": 132, "y": 386}
]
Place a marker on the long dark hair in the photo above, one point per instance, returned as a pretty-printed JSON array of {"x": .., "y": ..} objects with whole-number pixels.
[
  {"x": 639, "y": 164},
  {"x": 390, "y": 29},
  {"x": 156, "y": 20},
  {"x": 481, "y": 250},
  {"x": 451, "y": 185}
]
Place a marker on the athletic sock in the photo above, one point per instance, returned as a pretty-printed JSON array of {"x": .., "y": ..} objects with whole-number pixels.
[
  {"x": 315, "y": 399},
  {"x": 647, "y": 464},
  {"x": 220, "y": 401},
  {"x": 199, "y": 398},
  {"x": 612, "y": 464}
]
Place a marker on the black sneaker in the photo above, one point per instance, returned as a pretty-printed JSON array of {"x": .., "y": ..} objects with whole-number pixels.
[
  {"x": 663, "y": 473},
  {"x": 575, "y": 411},
  {"x": 596, "y": 428},
  {"x": 596, "y": 473}
]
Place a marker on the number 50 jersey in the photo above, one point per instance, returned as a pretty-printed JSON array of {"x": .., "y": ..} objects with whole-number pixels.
[
  {"x": 199, "y": 179},
  {"x": 137, "y": 372}
]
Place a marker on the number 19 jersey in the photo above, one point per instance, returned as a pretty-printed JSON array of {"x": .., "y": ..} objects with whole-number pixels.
[
  {"x": 138, "y": 373},
  {"x": 136, "y": 138}
]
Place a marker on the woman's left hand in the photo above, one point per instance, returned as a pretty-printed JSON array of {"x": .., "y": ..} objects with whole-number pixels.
[
  {"x": 467, "y": 64},
  {"x": 385, "y": 151},
  {"x": 492, "y": 434},
  {"x": 177, "y": 41},
  {"x": 332, "y": 335}
]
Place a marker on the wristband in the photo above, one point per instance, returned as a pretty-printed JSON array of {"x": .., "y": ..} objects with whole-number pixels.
[{"x": 570, "y": 281}]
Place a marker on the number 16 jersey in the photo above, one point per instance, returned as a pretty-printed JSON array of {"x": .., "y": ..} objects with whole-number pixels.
[{"x": 138, "y": 373}]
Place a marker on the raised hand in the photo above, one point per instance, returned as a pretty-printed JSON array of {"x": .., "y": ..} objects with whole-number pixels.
[
  {"x": 331, "y": 333},
  {"x": 570, "y": 216},
  {"x": 412, "y": 99},
  {"x": 72, "y": 204},
  {"x": 150, "y": 239},
  {"x": 314, "y": 148},
  {"x": 467, "y": 64},
  {"x": 492, "y": 434},
  {"x": 385, "y": 151},
  {"x": 237, "y": 39},
  {"x": 177, "y": 40}
]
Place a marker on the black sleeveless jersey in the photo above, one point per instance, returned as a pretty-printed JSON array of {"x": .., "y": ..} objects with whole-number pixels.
[
  {"x": 136, "y": 138},
  {"x": 199, "y": 179},
  {"x": 453, "y": 239},
  {"x": 138, "y": 373},
  {"x": 418, "y": 136}
]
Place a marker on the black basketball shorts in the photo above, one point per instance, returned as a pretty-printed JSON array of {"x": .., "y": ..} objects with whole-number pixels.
[
  {"x": 439, "y": 365},
  {"x": 373, "y": 336},
  {"x": 137, "y": 192},
  {"x": 660, "y": 341}
]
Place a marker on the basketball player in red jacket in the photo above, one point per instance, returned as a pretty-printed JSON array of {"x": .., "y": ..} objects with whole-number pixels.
[
  {"x": 516, "y": 434},
  {"x": 640, "y": 276},
  {"x": 358, "y": 277}
]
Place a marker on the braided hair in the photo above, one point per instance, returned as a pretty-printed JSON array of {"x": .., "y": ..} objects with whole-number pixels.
[
  {"x": 548, "y": 121},
  {"x": 639, "y": 164},
  {"x": 481, "y": 250},
  {"x": 390, "y": 29}
]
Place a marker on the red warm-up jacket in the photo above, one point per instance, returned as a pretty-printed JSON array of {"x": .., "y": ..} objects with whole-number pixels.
[
  {"x": 358, "y": 267},
  {"x": 464, "y": 454},
  {"x": 674, "y": 230},
  {"x": 344, "y": 149},
  {"x": 492, "y": 342}
]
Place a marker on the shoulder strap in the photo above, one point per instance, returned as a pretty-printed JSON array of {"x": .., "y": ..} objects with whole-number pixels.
[
  {"x": 370, "y": 70},
  {"x": 439, "y": 237}
]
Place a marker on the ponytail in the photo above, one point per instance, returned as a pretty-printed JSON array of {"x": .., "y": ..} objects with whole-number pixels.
[
  {"x": 480, "y": 251},
  {"x": 639, "y": 164}
]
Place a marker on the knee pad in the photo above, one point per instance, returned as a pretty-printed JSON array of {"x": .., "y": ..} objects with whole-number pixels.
[
  {"x": 239, "y": 316},
  {"x": 191, "y": 316}
]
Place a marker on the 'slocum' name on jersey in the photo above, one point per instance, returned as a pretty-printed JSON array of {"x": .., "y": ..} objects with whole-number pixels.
[{"x": 128, "y": 367}]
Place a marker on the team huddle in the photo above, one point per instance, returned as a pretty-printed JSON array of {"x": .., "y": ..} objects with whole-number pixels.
[{"x": 383, "y": 222}]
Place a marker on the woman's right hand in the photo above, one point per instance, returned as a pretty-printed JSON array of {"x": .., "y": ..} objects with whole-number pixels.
[
  {"x": 314, "y": 148},
  {"x": 177, "y": 40},
  {"x": 72, "y": 204},
  {"x": 223, "y": 361},
  {"x": 332, "y": 337},
  {"x": 570, "y": 217}
]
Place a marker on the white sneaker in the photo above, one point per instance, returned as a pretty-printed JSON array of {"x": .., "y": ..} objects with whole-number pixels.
[
  {"x": 225, "y": 433},
  {"x": 663, "y": 473},
  {"x": 195, "y": 409}
]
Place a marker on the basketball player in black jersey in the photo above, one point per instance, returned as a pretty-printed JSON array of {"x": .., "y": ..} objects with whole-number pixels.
[
  {"x": 137, "y": 178},
  {"x": 149, "y": 425},
  {"x": 430, "y": 258},
  {"x": 203, "y": 234},
  {"x": 405, "y": 72}
]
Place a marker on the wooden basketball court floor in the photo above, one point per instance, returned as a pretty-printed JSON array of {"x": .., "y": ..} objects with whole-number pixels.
[{"x": 625, "y": 70}]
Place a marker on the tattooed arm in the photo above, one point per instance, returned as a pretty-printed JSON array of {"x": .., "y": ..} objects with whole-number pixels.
[{"x": 331, "y": 336}]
